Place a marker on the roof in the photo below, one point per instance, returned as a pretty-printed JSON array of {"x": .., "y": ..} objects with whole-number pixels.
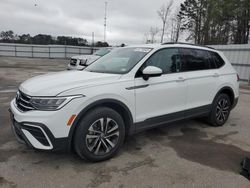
[{"x": 172, "y": 44}]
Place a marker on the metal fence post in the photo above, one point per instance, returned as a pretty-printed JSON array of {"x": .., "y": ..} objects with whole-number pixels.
[
  {"x": 65, "y": 50},
  {"x": 49, "y": 52},
  {"x": 15, "y": 51},
  {"x": 32, "y": 48},
  {"x": 249, "y": 79}
]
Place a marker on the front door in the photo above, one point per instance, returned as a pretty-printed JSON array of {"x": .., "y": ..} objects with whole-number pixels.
[{"x": 161, "y": 95}]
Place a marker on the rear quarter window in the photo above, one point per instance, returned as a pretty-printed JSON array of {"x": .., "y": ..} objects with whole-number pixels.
[{"x": 216, "y": 59}]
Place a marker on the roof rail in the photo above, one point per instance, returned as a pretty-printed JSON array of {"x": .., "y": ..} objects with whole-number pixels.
[{"x": 166, "y": 43}]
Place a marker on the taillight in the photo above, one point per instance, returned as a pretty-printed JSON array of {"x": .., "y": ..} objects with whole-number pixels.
[{"x": 238, "y": 77}]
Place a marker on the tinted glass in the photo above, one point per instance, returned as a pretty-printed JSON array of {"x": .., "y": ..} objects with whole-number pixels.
[
  {"x": 194, "y": 60},
  {"x": 217, "y": 59},
  {"x": 211, "y": 61},
  {"x": 118, "y": 61},
  {"x": 167, "y": 59}
]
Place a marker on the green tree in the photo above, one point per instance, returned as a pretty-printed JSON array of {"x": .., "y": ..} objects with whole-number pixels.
[
  {"x": 25, "y": 39},
  {"x": 216, "y": 21},
  {"x": 101, "y": 44},
  {"x": 242, "y": 18},
  {"x": 7, "y": 36},
  {"x": 42, "y": 39}
]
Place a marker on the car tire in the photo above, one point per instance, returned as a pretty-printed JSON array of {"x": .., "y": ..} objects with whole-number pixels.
[
  {"x": 99, "y": 135},
  {"x": 220, "y": 111}
]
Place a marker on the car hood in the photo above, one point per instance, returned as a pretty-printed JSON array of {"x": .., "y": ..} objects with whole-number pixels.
[
  {"x": 82, "y": 56},
  {"x": 53, "y": 84},
  {"x": 86, "y": 57}
]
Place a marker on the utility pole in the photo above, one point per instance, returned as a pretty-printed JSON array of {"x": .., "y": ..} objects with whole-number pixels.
[
  {"x": 105, "y": 21},
  {"x": 93, "y": 39},
  {"x": 93, "y": 42}
]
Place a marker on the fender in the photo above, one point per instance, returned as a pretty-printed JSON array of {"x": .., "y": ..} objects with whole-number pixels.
[
  {"x": 231, "y": 95},
  {"x": 129, "y": 120}
]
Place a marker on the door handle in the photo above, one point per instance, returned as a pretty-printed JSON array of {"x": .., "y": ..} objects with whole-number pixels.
[
  {"x": 216, "y": 75},
  {"x": 180, "y": 79}
]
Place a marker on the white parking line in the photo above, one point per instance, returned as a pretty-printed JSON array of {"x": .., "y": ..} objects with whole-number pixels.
[{"x": 8, "y": 91}]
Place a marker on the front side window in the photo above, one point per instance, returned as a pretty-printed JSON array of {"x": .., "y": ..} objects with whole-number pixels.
[
  {"x": 168, "y": 60},
  {"x": 194, "y": 60},
  {"x": 119, "y": 61}
]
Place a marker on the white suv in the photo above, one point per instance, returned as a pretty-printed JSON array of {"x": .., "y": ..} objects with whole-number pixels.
[
  {"x": 82, "y": 61},
  {"x": 129, "y": 90}
]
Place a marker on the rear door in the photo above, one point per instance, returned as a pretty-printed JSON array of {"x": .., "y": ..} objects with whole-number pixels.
[{"x": 202, "y": 77}]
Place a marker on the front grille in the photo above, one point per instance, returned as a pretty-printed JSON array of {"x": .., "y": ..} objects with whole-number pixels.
[
  {"x": 23, "y": 102},
  {"x": 73, "y": 62},
  {"x": 37, "y": 133}
]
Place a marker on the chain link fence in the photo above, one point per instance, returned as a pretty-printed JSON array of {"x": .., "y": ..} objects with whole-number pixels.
[
  {"x": 43, "y": 51},
  {"x": 239, "y": 56}
]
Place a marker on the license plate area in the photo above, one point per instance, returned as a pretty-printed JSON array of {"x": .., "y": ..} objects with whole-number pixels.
[
  {"x": 15, "y": 130},
  {"x": 11, "y": 116}
]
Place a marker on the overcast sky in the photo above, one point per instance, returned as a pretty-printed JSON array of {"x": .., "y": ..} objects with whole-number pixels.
[{"x": 127, "y": 22}]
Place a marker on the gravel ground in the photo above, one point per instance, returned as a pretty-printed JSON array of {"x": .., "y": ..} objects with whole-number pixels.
[{"x": 185, "y": 154}]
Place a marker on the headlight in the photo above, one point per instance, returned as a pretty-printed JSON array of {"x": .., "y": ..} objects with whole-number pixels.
[
  {"x": 83, "y": 62},
  {"x": 51, "y": 103}
]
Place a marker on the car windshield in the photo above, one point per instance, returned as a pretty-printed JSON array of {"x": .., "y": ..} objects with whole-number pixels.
[
  {"x": 119, "y": 61},
  {"x": 102, "y": 52}
]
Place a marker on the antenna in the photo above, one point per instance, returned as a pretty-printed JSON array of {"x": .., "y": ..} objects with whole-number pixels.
[{"x": 105, "y": 21}]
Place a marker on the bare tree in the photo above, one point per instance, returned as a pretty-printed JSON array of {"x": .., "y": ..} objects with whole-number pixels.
[
  {"x": 163, "y": 13},
  {"x": 176, "y": 27},
  {"x": 151, "y": 35},
  {"x": 146, "y": 38}
]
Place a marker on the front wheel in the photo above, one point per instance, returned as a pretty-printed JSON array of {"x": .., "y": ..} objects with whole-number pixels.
[
  {"x": 99, "y": 135},
  {"x": 220, "y": 111}
]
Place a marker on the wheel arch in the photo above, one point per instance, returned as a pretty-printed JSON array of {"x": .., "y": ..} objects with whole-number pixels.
[
  {"x": 227, "y": 90},
  {"x": 116, "y": 105}
]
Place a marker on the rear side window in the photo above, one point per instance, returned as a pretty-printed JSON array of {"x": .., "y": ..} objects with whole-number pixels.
[
  {"x": 194, "y": 60},
  {"x": 216, "y": 59}
]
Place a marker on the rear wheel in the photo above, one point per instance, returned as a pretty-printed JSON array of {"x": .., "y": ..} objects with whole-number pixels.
[
  {"x": 220, "y": 112},
  {"x": 99, "y": 135}
]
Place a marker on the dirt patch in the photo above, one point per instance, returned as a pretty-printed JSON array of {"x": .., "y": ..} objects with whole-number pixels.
[
  {"x": 103, "y": 174},
  {"x": 5, "y": 154},
  {"x": 195, "y": 146},
  {"x": 3, "y": 182}
]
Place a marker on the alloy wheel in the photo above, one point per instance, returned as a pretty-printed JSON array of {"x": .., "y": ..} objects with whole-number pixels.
[
  {"x": 102, "y": 136},
  {"x": 222, "y": 110}
]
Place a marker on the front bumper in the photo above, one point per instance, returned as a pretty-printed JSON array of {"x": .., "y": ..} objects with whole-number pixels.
[
  {"x": 38, "y": 136},
  {"x": 44, "y": 130}
]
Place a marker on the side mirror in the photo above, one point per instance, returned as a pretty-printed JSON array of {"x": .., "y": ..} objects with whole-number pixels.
[{"x": 151, "y": 71}]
